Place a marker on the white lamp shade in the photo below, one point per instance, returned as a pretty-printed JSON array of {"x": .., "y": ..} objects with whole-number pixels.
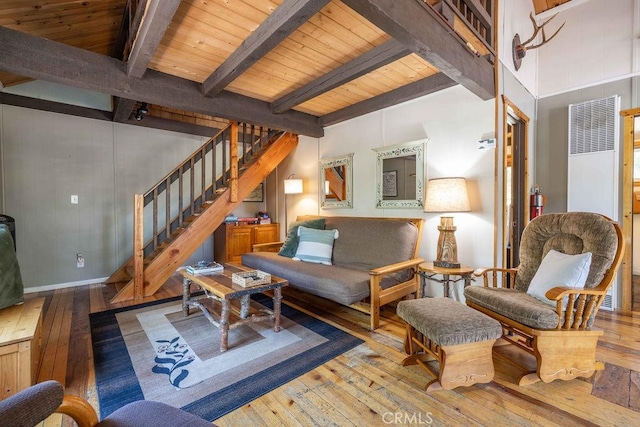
[
  {"x": 292, "y": 186},
  {"x": 447, "y": 195}
]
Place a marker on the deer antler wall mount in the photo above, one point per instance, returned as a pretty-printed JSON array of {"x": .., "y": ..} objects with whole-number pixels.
[{"x": 520, "y": 48}]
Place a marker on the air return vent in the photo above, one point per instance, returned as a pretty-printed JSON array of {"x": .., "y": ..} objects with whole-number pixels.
[
  {"x": 593, "y": 126},
  {"x": 593, "y": 163}
]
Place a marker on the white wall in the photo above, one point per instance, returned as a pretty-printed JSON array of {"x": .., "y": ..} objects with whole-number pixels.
[
  {"x": 453, "y": 120},
  {"x": 514, "y": 18},
  {"x": 56, "y": 92},
  {"x": 595, "y": 46},
  {"x": 47, "y": 157}
]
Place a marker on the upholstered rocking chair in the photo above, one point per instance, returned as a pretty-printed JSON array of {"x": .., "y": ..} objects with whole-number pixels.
[{"x": 547, "y": 305}]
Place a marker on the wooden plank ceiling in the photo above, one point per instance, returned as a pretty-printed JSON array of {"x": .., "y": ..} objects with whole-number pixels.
[
  {"x": 290, "y": 64},
  {"x": 543, "y": 5}
]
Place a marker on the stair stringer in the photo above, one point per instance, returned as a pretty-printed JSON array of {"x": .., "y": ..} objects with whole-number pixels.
[{"x": 174, "y": 255}]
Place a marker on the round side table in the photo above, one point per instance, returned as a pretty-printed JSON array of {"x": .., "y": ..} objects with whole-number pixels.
[{"x": 428, "y": 271}]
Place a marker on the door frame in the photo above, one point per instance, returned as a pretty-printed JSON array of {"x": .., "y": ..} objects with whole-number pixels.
[
  {"x": 626, "y": 270},
  {"x": 509, "y": 108}
]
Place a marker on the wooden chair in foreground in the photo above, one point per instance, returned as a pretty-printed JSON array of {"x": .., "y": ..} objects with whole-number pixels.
[
  {"x": 35, "y": 404},
  {"x": 558, "y": 332}
]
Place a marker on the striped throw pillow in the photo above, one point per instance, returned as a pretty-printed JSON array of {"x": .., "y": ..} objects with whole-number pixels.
[{"x": 315, "y": 246}]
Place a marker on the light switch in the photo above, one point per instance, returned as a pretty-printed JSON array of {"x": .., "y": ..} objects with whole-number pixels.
[{"x": 74, "y": 199}]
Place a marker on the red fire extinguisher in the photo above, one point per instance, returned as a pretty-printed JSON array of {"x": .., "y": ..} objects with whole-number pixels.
[{"x": 536, "y": 204}]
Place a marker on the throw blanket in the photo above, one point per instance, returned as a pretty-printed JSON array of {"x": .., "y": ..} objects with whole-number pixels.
[{"x": 11, "y": 287}]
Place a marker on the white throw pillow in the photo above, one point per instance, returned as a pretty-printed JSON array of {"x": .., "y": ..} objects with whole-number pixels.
[
  {"x": 315, "y": 245},
  {"x": 558, "y": 269}
]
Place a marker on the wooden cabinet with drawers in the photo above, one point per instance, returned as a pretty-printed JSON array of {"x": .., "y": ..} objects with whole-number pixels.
[{"x": 230, "y": 241}]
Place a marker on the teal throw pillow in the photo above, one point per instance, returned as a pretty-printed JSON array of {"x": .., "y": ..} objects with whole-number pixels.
[
  {"x": 315, "y": 246},
  {"x": 290, "y": 245}
]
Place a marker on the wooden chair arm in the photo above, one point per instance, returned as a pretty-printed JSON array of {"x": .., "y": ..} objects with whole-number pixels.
[
  {"x": 79, "y": 409},
  {"x": 484, "y": 271},
  {"x": 559, "y": 292},
  {"x": 392, "y": 268},
  {"x": 267, "y": 247},
  {"x": 490, "y": 276},
  {"x": 582, "y": 304}
]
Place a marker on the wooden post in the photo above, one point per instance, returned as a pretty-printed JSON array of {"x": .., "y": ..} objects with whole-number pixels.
[
  {"x": 627, "y": 212},
  {"x": 138, "y": 246},
  {"x": 233, "y": 167}
]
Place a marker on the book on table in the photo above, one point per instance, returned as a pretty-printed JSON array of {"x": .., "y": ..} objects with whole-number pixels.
[{"x": 204, "y": 267}]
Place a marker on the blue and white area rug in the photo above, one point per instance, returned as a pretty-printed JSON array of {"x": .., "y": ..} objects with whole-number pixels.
[{"x": 152, "y": 352}]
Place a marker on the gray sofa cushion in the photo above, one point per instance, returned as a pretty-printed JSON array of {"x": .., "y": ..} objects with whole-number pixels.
[
  {"x": 448, "y": 322},
  {"x": 339, "y": 284},
  {"x": 515, "y": 305},
  {"x": 368, "y": 243}
]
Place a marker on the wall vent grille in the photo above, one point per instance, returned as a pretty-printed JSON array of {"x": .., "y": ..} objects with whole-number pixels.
[
  {"x": 593, "y": 165},
  {"x": 592, "y": 126}
]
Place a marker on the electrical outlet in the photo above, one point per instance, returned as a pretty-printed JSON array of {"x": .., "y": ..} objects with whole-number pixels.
[
  {"x": 79, "y": 260},
  {"x": 74, "y": 199}
]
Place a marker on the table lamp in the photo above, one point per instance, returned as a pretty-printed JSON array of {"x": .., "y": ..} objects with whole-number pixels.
[
  {"x": 447, "y": 195},
  {"x": 291, "y": 186}
]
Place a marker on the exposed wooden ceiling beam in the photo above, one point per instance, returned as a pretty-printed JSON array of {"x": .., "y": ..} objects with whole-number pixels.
[
  {"x": 417, "y": 26},
  {"x": 44, "y": 59},
  {"x": 173, "y": 126},
  {"x": 128, "y": 28},
  {"x": 373, "y": 59},
  {"x": 92, "y": 113},
  {"x": 402, "y": 94},
  {"x": 277, "y": 27},
  {"x": 157, "y": 18},
  {"x": 54, "y": 107},
  {"x": 122, "y": 108}
]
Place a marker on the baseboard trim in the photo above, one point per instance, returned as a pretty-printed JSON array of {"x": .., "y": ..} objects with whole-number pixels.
[{"x": 33, "y": 289}]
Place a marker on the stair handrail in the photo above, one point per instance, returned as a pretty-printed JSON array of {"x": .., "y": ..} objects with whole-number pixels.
[
  {"x": 187, "y": 160},
  {"x": 250, "y": 140}
]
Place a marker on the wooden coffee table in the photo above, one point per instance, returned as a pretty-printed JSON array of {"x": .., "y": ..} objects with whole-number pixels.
[{"x": 219, "y": 287}]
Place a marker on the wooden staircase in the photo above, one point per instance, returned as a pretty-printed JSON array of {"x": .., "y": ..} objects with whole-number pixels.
[{"x": 186, "y": 206}]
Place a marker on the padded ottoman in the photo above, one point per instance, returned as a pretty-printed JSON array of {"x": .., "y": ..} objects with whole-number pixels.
[{"x": 458, "y": 337}]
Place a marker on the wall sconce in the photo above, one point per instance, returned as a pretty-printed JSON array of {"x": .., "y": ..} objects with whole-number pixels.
[
  {"x": 447, "y": 195},
  {"x": 143, "y": 109},
  {"x": 291, "y": 186}
]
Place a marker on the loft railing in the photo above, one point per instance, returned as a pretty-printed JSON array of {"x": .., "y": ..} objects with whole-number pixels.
[
  {"x": 169, "y": 205},
  {"x": 477, "y": 15}
]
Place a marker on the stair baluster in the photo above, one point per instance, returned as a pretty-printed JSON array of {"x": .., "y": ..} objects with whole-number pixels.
[{"x": 196, "y": 191}]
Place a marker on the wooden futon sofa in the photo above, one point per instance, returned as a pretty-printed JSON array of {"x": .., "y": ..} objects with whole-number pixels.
[{"x": 373, "y": 260}]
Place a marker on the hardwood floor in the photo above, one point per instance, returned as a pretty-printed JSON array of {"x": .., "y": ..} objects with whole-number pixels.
[
  {"x": 366, "y": 386},
  {"x": 635, "y": 298}
]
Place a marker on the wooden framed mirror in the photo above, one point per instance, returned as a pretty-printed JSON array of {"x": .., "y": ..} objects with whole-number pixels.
[
  {"x": 400, "y": 175},
  {"x": 336, "y": 182}
]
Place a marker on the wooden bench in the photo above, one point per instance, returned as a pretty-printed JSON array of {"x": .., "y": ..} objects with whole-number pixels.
[
  {"x": 459, "y": 338},
  {"x": 20, "y": 344}
]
